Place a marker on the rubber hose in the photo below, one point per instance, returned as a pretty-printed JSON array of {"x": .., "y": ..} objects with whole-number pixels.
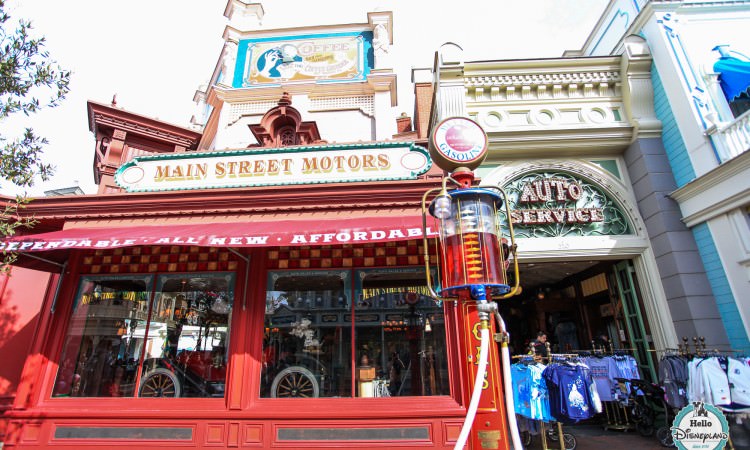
[
  {"x": 477, "y": 393},
  {"x": 508, "y": 385}
]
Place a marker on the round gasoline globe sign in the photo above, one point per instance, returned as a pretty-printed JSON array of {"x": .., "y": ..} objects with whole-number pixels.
[{"x": 458, "y": 142}]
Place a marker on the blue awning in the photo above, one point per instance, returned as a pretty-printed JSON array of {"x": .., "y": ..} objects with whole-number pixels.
[{"x": 734, "y": 76}]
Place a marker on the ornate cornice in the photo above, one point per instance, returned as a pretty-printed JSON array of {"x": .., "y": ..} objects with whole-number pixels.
[
  {"x": 143, "y": 130},
  {"x": 716, "y": 192},
  {"x": 272, "y": 93},
  {"x": 540, "y": 142},
  {"x": 119, "y": 119},
  {"x": 543, "y": 79}
]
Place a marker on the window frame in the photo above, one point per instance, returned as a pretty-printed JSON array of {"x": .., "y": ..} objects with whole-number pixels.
[
  {"x": 142, "y": 403},
  {"x": 354, "y": 286}
]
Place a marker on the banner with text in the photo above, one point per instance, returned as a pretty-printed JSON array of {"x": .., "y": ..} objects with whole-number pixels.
[
  {"x": 358, "y": 230},
  {"x": 338, "y": 163}
]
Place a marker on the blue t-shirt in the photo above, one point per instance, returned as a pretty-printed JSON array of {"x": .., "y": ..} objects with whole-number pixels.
[
  {"x": 530, "y": 395},
  {"x": 603, "y": 370},
  {"x": 521, "y": 376},
  {"x": 540, "y": 409},
  {"x": 570, "y": 391}
]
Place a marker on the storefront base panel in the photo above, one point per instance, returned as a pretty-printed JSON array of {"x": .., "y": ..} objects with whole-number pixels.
[{"x": 165, "y": 434}]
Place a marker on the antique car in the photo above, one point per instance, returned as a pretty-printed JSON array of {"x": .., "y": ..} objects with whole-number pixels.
[
  {"x": 192, "y": 373},
  {"x": 298, "y": 375}
]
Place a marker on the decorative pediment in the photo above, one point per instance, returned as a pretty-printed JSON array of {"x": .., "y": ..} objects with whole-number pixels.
[{"x": 282, "y": 126}]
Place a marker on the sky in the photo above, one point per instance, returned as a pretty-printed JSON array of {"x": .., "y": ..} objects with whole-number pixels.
[{"x": 154, "y": 54}]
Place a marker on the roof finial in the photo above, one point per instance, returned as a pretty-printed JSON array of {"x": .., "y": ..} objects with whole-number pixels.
[
  {"x": 285, "y": 99},
  {"x": 114, "y": 100}
]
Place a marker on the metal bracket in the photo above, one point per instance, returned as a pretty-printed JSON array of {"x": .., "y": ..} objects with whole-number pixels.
[{"x": 501, "y": 338}]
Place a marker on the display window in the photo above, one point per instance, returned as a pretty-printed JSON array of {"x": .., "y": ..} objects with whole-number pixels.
[
  {"x": 352, "y": 333},
  {"x": 127, "y": 339}
]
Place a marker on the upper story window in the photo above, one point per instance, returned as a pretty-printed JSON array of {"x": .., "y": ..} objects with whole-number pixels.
[
  {"x": 740, "y": 105},
  {"x": 287, "y": 136}
]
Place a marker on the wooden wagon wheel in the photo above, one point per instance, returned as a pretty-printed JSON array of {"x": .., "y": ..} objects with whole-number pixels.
[
  {"x": 160, "y": 383},
  {"x": 295, "y": 381}
]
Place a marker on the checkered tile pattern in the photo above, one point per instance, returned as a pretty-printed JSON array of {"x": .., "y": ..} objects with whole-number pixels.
[
  {"x": 402, "y": 253},
  {"x": 159, "y": 259},
  {"x": 207, "y": 259}
]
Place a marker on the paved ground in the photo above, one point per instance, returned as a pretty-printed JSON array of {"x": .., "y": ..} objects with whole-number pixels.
[{"x": 595, "y": 437}]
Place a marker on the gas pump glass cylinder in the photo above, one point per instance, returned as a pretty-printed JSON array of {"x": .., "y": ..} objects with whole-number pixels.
[{"x": 472, "y": 249}]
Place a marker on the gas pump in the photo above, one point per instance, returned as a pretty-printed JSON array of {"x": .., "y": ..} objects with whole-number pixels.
[{"x": 473, "y": 259}]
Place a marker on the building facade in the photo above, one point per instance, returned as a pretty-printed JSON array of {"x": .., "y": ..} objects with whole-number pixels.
[
  {"x": 259, "y": 279},
  {"x": 705, "y": 133},
  {"x": 258, "y": 283},
  {"x": 581, "y": 133}
]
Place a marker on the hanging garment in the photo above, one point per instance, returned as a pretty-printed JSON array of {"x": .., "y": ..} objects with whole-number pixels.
[
  {"x": 521, "y": 377},
  {"x": 723, "y": 382},
  {"x": 572, "y": 392},
  {"x": 603, "y": 371},
  {"x": 673, "y": 377},
  {"x": 627, "y": 367},
  {"x": 530, "y": 391}
]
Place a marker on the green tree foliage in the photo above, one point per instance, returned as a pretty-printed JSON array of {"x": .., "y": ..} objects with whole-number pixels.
[{"x": 29, "y": 81}]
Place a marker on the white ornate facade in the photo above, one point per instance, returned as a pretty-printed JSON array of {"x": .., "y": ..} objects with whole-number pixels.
[
  {"x": 707, "y": 146},
  {"x": 232, "y": 103},
  {"x": 592, "y": 119}
]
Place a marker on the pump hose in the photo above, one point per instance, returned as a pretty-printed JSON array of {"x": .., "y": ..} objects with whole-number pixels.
[
  {"x": 508, "y": 387},
  {"x": 478, "y": 383}
]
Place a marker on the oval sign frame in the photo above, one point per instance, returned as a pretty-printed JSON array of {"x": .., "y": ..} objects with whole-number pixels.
[{"x": 458, "y": 142}]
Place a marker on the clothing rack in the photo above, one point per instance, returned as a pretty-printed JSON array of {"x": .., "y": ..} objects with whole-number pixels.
[
  {"x": 560, "y": 435},
  {"x": 562, "y": 355},
  {"x": 615, "y": 412},
  {"x": 604, "y": 352},
  {"x": 543, "y": 432},
  {"x": 700, "y": 351},
  {"x": 667, "y": 351}
]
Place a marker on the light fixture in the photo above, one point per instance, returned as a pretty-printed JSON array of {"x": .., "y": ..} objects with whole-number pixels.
[
  {"x": 441, "y": 206},
  {"x": 473, "y": 252}
]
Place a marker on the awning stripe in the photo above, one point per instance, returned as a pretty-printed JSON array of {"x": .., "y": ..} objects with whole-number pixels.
[{"x": 248, "y": 234}]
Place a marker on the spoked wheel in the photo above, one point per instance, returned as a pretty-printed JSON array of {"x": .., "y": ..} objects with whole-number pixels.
[
  {"x": 160, "y": 383},
  {"x": 294, "y": 381},
  {"x": 664, "y": 435},
  {"x": 570, "y": 441}
]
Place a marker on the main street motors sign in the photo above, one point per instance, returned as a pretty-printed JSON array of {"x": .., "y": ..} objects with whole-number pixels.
[{"x": 339, "y": 163}]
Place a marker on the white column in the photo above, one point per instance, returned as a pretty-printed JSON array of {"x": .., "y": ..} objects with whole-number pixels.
[{"x": 385, "y": 122}]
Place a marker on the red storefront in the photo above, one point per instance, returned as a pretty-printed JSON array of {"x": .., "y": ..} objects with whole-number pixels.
[
  {"x": 265, "y": 289},
  {"x": 242, "y": 317}
]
